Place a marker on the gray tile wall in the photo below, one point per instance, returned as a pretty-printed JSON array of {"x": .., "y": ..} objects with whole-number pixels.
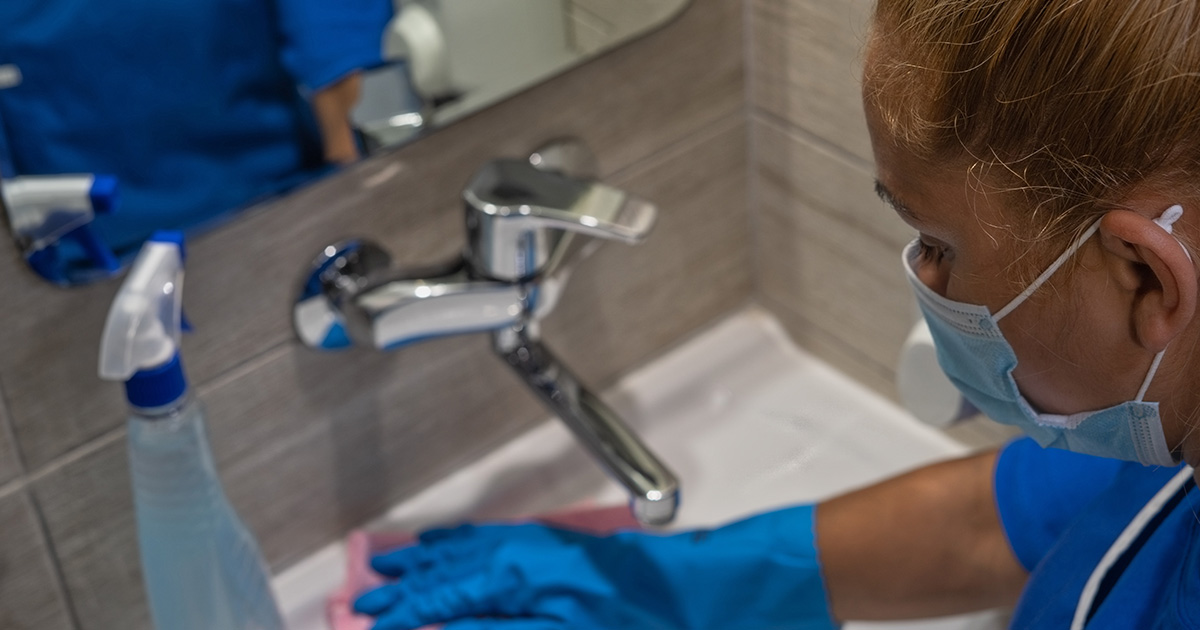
[
  {"x": 827, "y": 251},
  {"x": 10, "y": 465},
  {"x": 310, "y": 445},
  {"x": 30, "y": 595}
]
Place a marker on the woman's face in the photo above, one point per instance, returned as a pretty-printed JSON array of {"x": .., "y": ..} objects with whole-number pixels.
[{"x": 1073, "y": 339}]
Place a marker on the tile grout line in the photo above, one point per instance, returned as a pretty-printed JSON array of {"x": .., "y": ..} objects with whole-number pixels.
[
  {"x": 24, "y": 484},
  {"x": 12, "y": 487},
  {"x": 710, "y": 129},
  {"x": 801, "y": 200},
  {"x": 77, "y": 453},
  {"x": 880, "y": 370},
  {"x": 752, "y": 194},
  {"x": 684, "y": 338},
  {"x": 801, "y": 133},
  {"x": 11, "y": 433},
  {"x": 244, "y": 367},
  {"x": 823, "y": 209},
  {"x": 60, "y": 578}
]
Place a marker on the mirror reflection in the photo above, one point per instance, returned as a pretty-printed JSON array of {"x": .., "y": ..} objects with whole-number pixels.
[{"x": 120, "y": 120}]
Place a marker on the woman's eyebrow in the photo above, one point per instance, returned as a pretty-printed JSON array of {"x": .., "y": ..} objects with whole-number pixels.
[{"x": 897, "y": 205}]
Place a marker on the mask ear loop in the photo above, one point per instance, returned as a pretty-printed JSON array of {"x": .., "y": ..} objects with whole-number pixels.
[
  {"x": 1166, "y": 221},
  {"x": 1150, "y": 375},
  {"x": 1054, "y": 266}
]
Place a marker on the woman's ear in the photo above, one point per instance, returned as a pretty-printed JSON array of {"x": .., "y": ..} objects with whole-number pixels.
[{"x": 1150, "y": 263}]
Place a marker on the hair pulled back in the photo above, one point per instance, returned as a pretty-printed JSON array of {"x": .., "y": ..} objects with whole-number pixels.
[{"x": 1071, "y": 104}]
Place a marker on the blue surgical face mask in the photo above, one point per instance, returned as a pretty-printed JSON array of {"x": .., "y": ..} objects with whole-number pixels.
[{"x": 979, "y": 361}]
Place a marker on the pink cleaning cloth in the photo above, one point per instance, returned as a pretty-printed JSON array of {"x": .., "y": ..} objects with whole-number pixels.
[{"x": 362, "y": 545}]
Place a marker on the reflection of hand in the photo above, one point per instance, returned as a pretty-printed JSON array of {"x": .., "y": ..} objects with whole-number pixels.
[
  {"x": 332, "y": 105},
  {"x": 758, "y": 573}
]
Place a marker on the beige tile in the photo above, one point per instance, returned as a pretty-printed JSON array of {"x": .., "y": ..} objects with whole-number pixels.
[
  {"x": 849, "y": 284},
  {"x": 834, "y": 351},
  {"x": 627, "y": 104},
  {"x": 626, "y": 304},
  {"x": 347, "y": 448},
  {"x": 805, "y": 62},
  {"x": 30, "y": 598},
  {"x": 10, "y": 465},
  {"x": 790, "y": 164},
  {"x": 88, "y": 507},
  {"x": 826, "y": 248},
  {"x": 49, "y": 342}
]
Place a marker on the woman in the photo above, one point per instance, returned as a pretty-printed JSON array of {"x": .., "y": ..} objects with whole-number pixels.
[{"x": 1045, "y": 152}]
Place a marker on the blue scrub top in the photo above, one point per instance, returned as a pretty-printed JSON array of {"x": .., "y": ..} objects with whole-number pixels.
[
  {"x": 195, "y": 105},
  {"x": 1062, "y": 511}
]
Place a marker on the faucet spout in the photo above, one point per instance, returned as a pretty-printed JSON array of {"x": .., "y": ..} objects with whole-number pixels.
[{"x": 653, "y": 487}]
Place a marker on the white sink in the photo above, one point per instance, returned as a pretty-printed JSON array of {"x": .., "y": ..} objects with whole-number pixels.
[{"x": 747, "y": 421}]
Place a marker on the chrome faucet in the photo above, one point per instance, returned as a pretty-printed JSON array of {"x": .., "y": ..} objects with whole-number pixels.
[{"x": 526, "y": 227}]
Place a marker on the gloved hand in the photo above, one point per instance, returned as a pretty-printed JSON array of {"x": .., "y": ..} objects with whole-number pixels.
[{"x": 760, "y": 573}]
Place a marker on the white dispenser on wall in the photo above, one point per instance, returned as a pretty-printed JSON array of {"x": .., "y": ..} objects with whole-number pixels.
[
  {"x": 202, "y": 567},
  {"x": 924, "y": 388}
]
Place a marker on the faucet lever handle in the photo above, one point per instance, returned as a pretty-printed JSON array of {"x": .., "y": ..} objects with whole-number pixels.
[
  {"x": 603, "y": 212},
  {"x": 515, "y": 192}
]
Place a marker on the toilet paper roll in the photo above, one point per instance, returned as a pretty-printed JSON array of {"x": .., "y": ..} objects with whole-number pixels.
[{"x": 923, "y": 387}]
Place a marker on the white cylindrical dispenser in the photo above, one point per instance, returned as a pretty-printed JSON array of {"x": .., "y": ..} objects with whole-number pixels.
[{"x": 924, "y": 389}]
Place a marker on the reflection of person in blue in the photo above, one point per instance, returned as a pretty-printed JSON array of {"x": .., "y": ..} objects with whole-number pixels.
[
  {"x": 1046, "y": 153},
  {"x": 197, "y": 106}
]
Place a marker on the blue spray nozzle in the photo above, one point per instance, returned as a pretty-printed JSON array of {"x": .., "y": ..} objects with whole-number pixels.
[
  {"x": 157, "y": 387},
  {"x": 173, "y": 237},
  {"x": 97, "y": 250},
  {"x": 104, "y": 194}
]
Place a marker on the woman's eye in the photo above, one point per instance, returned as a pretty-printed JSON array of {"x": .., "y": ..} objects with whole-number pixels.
[{"x": 931, "y": 253}]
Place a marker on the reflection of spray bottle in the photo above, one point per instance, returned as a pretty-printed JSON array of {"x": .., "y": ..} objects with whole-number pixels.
[
  {"x": 202, "y": 568},
  {"x": 44, "y": 210}
]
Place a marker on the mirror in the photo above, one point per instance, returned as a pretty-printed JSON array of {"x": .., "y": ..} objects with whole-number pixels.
[{"x": 117, "y": 123}]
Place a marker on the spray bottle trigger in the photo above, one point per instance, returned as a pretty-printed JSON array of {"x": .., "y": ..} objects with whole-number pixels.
[{"x": 145, "y": 321}]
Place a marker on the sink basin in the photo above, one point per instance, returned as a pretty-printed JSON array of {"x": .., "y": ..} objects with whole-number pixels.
[{"x": 746, "y": 419}]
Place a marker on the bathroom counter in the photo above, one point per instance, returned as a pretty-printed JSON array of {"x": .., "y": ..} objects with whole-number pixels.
[{"x": 747, "y": 420}]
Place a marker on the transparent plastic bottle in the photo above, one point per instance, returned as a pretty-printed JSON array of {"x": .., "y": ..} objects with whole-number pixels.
[{"x": 202, "y": 567}]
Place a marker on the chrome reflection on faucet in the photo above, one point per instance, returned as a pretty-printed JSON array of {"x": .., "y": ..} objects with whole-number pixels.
[{"x": 526, "y": 228}]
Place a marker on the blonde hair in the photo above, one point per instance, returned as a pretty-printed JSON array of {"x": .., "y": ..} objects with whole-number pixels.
[{"x": 1070, "y": 104}]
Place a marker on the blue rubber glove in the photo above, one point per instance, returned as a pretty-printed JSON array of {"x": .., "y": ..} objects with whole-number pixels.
[{"x": 760, "y": 573}]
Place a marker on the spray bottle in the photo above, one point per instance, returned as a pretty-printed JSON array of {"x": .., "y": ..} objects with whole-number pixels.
[
  {"x": 202, "y": 567},
  {"x": 47, "y": 211}
]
